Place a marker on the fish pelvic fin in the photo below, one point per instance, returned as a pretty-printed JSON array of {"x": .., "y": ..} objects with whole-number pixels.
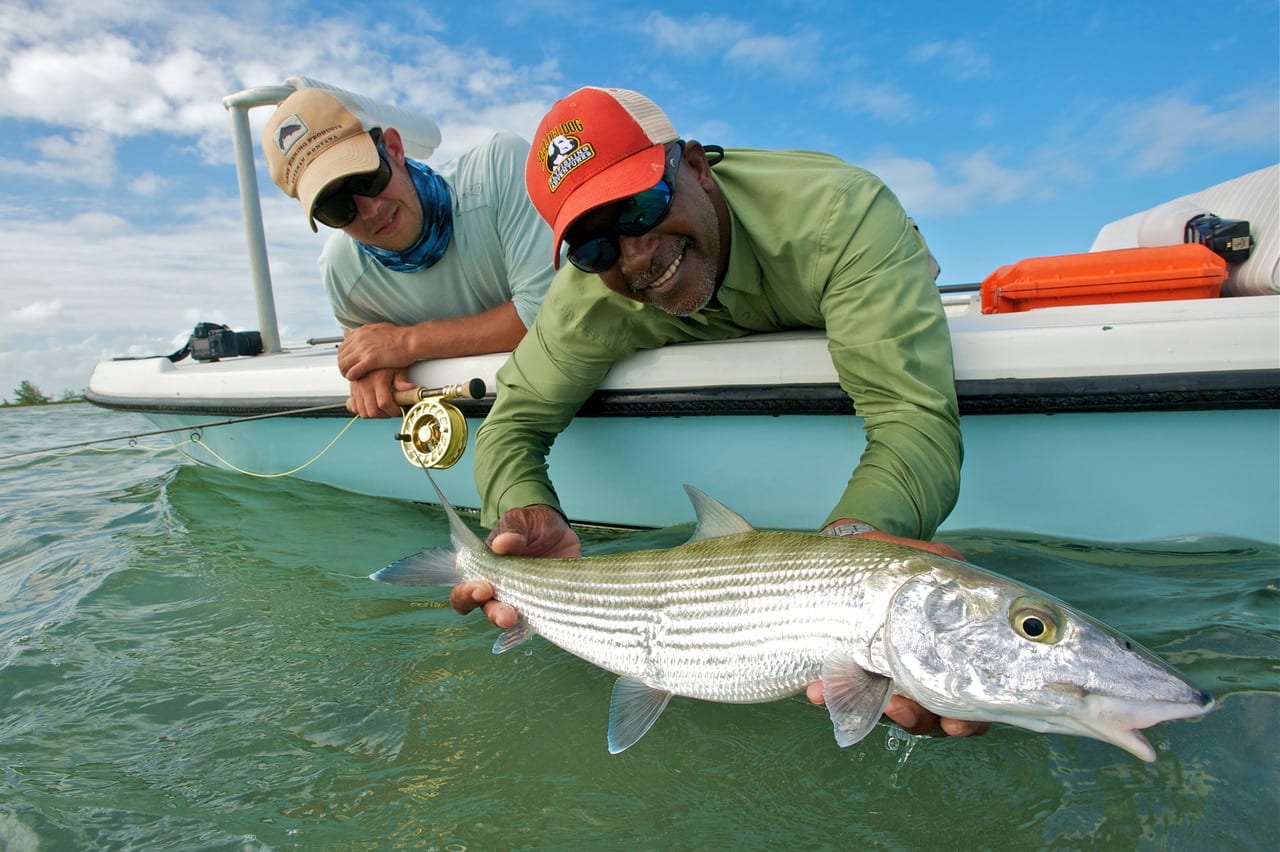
[
  {"x": 715, "y": 519},
  {"x": 633, "y": 709},
  {"x": 513, "y": 636},
  {"x": 855, "y": 698}
]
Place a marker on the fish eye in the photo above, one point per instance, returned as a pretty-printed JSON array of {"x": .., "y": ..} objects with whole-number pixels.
[{"x": 1034, "y": 622}]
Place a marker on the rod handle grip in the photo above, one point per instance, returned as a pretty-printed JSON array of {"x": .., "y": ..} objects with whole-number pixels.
[{"x": 473, "y": 389}]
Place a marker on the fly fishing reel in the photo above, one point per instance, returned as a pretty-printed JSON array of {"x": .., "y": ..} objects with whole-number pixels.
[{"x": 434, "y": 431}]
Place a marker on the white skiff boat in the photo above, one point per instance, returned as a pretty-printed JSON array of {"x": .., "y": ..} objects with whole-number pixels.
[{"x": 1084, "y": 415}]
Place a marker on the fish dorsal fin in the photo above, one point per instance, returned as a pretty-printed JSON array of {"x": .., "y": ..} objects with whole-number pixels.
[
  {"x": 855, "y": 697},
  {"x": 715, "y": 519},
  {"x": 462, "y": 535},
  {"x": 633, "y": 709}
]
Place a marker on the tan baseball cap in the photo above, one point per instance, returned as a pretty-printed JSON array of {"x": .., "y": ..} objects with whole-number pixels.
[{"x": 311, "y": 142}]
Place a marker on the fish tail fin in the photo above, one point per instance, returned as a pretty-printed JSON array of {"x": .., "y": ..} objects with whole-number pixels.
[{"x": 437, "y": 566}]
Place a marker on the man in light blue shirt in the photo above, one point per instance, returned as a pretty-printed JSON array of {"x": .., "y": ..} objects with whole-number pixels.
[{"x": 429, "y": 263}]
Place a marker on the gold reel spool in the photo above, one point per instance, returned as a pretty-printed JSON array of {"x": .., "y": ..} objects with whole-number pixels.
[{"x": 433, "y": 434}]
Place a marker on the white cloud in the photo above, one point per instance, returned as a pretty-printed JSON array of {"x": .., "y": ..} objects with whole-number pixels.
[
  {"x": 788, "y": 55},
  {"x": 1166, "y": 133},
  {"x": 150, "y": 294},
  {"x": 703, "y": 34},
  {"x": 960, "y": 59},
  {"x": 148, "y": 184},
  {"x": 95, "y": 223},
  {"x": 694, "y": 35},
  {"x": 121, "y": 71},
  {"x": 36, "y": 312},
  {"x": 82, "y": 156},
  {"x": 884, "y": 101},
  {"x": 962, "y": 182}
]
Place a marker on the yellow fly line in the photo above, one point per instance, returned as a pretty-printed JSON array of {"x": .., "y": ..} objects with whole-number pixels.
[{"x": 196, "y": 439}]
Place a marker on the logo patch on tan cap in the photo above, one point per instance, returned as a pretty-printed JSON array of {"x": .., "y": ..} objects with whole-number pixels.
[{"x": 290, "y": 132}]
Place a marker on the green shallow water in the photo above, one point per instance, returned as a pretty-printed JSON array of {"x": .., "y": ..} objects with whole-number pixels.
[{"x": 193, "y": 659}]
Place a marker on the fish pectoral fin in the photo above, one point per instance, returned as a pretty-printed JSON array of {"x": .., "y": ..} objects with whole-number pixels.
[
  {"x": 633, "y": 709},
  {"x": 513, "y": 636},
  {"x": 855, "y": 698}
]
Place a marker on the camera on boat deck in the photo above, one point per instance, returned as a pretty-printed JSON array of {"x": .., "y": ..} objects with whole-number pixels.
[
  {"x": 211, "y": 341},
  {"x": 1227, "y": 237}
]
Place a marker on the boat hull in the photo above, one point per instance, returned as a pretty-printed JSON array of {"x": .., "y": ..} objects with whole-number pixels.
[
  {"x": 1126, "y": 476},
  {"x": 1102, "y": 422}
]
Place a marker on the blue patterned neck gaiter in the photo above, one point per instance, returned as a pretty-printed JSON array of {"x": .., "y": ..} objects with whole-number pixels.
[{"x": 437, "y": 224}]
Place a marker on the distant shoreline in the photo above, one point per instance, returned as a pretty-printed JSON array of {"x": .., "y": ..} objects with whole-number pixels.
[{"x": 41, "y": 404}]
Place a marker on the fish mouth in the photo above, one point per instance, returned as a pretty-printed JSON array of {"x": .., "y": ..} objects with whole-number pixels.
[{"x": 1119, "y": 721}]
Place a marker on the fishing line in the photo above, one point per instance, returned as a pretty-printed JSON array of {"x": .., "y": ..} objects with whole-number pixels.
[
  {"x": 195, "y": 428},
  {"x": 211, "y": 451}
]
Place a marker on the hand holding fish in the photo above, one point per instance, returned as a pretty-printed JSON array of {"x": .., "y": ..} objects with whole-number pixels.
[
  {"x": 919, "y": 544},
  {"x": 909, "y": 715},
  {"x": 524, "y": 531},
  {"x": 913, "y": 718},
  {"x": 537, "y": 530}
]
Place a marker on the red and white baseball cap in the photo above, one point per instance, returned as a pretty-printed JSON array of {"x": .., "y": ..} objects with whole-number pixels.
[{"x": 594, "y": 147}]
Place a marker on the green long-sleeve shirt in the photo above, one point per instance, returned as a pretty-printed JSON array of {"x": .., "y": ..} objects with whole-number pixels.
[{"x": 816, "y": 243}]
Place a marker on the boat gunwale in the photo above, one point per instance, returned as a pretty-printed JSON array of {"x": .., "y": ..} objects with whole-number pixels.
[{"x": 1229, "y": 389}]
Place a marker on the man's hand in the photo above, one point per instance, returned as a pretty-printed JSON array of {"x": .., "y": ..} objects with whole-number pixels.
[
  {"x": 919, "y": 544},
  {"x": 524, "y": 531},
  {"x": 908, "y": 714},
  {"x": 375, "y": 346},
  {"x": 373, "y": 394},
  {"x": 880, "y": 535},
  {"x": 913, "y": 718}
]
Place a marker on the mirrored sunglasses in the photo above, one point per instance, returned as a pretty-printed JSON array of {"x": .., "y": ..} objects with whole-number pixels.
[
  {"x": 636, "y": 216},
  {"x": 336, "y": 207}
]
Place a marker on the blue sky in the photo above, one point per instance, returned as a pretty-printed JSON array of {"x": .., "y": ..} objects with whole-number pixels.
[{"x": 1008, "y": 130}]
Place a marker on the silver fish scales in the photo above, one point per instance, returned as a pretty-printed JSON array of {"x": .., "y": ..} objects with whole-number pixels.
[
  {"x": 741, "y": 618},
  {"x": 739, "y": 615}
]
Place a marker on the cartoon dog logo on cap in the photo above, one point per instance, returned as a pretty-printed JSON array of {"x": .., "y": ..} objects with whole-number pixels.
[
  {"x": 563, "y": 155},
  {"x": 558, "y": 148}
]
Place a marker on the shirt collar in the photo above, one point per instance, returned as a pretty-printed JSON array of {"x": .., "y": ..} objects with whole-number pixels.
[{"x": 743, "y": 275}]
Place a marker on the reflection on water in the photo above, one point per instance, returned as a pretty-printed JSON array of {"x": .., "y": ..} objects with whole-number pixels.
[{"x": 192, "y": 659}]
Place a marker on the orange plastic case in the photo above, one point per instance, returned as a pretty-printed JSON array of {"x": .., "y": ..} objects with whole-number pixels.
[{"x": 1187, "y": 271}]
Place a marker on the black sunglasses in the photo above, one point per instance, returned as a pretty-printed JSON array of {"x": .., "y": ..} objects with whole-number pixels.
[
  {"x": 636, "y": 216},
  {"x": 336, "y": 207}
]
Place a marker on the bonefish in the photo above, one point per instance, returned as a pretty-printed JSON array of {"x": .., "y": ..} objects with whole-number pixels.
[{"x": 741, "y": 615}]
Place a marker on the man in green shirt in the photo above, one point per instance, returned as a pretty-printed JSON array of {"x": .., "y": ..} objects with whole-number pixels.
[{"x": 666, "y": 249}]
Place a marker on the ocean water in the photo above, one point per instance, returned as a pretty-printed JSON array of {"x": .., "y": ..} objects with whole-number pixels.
[{"x": 193, "y": 659}]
